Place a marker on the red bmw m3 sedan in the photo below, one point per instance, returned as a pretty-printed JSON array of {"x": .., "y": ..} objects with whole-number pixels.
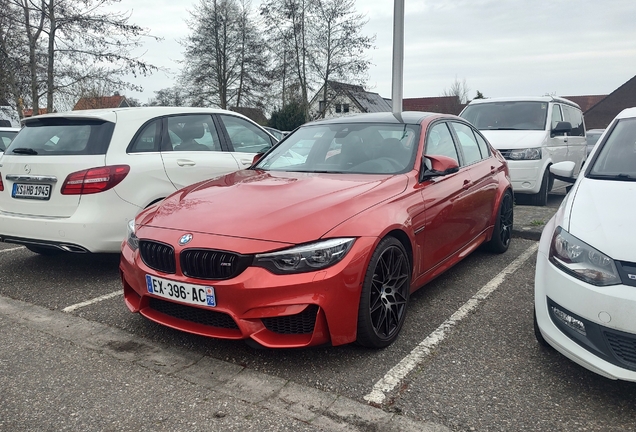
[{"x": 325, "y": 237}]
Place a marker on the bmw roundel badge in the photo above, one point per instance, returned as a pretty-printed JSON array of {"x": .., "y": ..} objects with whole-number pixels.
[{"x": 185, "y": 239}]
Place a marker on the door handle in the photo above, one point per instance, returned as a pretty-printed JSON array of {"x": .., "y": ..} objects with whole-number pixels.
[
  {"x": 246, "y": 161},
  {"x": 466, "y": 184},
  {"x": 186, "y": 162}
]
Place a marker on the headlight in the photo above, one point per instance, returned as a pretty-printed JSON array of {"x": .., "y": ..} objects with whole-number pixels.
[
  {"x": 581, "y": 260},
  {"x": 306, "y": 258},
  {"x": 132, "y": 239},
  {"x": 525, "y": 154}
]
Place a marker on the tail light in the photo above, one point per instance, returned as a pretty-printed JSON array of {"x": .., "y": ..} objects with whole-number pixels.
[
  {"x": 94, "y": 180},
  {"x": 1, "y": 185}
]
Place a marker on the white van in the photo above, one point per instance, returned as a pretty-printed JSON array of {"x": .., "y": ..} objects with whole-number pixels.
[{"x": 531, "y": 133}]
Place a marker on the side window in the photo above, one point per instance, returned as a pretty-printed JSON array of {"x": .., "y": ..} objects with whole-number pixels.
[
  {"x": 575, "y": 118},
  {"x": 192, "y": 133},
  {"x": 483, "y": 147},
  {"x": 467, "y": 140},
  {"x": 557, "y": 116},
  {"x": 244, "y": 136},
  {"x": 440, "y": 142},
  {"x": 147, "y": 139}
]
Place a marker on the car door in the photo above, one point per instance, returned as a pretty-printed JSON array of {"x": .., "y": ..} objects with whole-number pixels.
[
  {"x": 192, "y": 150},
  {"x": 482, "y": 191},
  {"x": 557, "y": 144},
  {"x": 244, "y": 138},
  {"x": 146, "y": 165},
  {"x": 448, "y": 223}
]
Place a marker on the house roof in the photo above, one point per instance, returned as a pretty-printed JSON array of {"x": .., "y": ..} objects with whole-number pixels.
[
  {"x": 29, "y": 112},
  {"x": 99, "y": 102},
  {"x": 254, "y": 114},
  {"x": 367, "y": 101},
  {"x": 441, "y": 104},
  {"x": 602, "y": 113},
  {"x": 586, "y": 102}
]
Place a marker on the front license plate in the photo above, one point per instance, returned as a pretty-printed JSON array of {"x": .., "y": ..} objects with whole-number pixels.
[
  {"x": 181, "y": 292},
  {"x": 31, "y": 191}
]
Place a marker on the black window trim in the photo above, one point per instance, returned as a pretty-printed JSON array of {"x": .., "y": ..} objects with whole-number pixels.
[
  {"x": 226, "y": 136},
  {"x": 158, "y": 137}
]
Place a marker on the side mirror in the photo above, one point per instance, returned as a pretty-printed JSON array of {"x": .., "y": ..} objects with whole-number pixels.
[
  {"x": 564, "y": 171},
  {"x": 561, "y": 127},
  {"x": 436, "y": 166}
]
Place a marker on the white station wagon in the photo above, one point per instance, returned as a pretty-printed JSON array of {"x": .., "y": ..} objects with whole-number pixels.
[{"x": 71, "y": 181}]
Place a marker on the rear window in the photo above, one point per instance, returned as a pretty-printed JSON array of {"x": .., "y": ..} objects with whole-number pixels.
[{"x": 63, "y": 137}]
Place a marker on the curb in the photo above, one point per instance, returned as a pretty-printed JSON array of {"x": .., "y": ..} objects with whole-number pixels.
[{"x": 318, "y": 408}]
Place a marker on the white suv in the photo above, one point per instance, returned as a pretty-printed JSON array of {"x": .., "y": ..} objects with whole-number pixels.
[
  {"x": 71, "y": 181},
  {"x": 531, "y": 133}
]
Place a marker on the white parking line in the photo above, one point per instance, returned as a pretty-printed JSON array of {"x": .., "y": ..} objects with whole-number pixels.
[
  {"x": 12, "y": 249},
  {"x": 408, "y": 363},
  {"x": 92, "y": 301}
]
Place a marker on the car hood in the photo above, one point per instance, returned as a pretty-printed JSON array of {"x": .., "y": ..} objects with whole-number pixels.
[
  {"x": 274, "y": 206},
  {"x": 515, "y": 139},
  {"x": 602, "y": 217}
]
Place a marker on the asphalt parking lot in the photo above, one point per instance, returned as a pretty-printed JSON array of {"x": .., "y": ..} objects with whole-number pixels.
[{"x": 74, "y": 358}]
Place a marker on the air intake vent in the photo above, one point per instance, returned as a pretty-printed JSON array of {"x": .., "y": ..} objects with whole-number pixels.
[
  {"x": 623, "y": 347},
  {"x": 213, "y": 264},
  {"x": 158, "y": 256},
  {"x": 302, "y": 323},
  {"x": 193, "y": 314}
]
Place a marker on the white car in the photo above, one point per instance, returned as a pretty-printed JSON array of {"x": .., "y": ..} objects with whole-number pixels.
[
  {"x": 6, "y": 136},
  {"x": 531, "y": 133},
  {"x": 71, "y": 181},
  {"x": 585, "y": 282}
]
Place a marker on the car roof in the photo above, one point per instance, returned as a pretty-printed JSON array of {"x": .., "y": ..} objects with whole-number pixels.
[
  {"x": 524, "y": 99},
  {"x": 407, "y": 117},
  {"x": 150, "y": 112},
  {"x": 627, "y": 113}
]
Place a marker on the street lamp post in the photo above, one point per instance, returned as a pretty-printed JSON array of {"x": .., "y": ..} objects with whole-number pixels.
[{"x": 398, "y": 56}]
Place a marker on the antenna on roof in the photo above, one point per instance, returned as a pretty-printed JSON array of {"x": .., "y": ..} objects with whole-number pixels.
[{"x": 398, "y": 56}]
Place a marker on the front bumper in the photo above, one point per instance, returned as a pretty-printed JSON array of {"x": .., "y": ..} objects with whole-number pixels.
[
  {"x": 526, "y": 175},
  {"x": 608, "y": 347},
  {"x": 277, "y": 311}
]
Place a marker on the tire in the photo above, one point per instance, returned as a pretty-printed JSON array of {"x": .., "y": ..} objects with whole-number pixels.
[
  {"x": 541, "y": 198},
  {"x": 502, "y": 233},
  {"x": 385, "y": 295},
  {"x": 537, "y": 333},
  {"x": 43, "y": 250}
]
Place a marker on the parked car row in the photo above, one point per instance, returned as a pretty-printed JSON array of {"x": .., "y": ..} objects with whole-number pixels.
[{"x": 322, "y": 237}]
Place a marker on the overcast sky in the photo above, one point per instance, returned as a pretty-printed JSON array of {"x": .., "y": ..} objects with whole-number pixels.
[{"x": 501, "y": 48}]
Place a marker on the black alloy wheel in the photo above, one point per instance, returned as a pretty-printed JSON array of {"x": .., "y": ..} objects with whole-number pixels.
[
  {"x": 502, "y": 233},
  {"x": 385, "y": 295}
]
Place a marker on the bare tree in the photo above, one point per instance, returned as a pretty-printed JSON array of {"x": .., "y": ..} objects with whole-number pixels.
[
  {"x": 14, "y": 54},
  {"x": 225, "y": 58},
  {"x": 338, "y": 45},
  {"x": 459, "y": 89},
  {"x": 88, "y": 43},
  {"x": 291, "y": 19}
]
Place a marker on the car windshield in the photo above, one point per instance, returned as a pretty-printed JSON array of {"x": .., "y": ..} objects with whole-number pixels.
[
  {"x": 507, "y": 115},
  {"x": 59, "y": 136},
  {"x": 346, "y": 148},
  {"x": 617, "y": 157}
]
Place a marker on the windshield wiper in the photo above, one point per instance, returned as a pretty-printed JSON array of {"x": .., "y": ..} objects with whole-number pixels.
[
  {"x": 22, "y": 150},
  {"x": 620, "y": 176}
]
